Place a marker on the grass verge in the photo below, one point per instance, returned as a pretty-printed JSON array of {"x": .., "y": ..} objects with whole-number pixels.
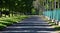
[
  {"x": 7, "y": 21},
  {"x": 56, "y": 27}
]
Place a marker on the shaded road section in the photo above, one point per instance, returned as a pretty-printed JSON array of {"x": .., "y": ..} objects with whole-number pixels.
[{"x": 33, "y": 24}]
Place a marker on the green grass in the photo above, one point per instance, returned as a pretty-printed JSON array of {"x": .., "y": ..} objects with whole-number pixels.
[
  {"x": 52, "y": 23},
  {"x": 2, "y": 26},
  {"x": 6, "y": 21},
  {"x": 57, "y": 28}
]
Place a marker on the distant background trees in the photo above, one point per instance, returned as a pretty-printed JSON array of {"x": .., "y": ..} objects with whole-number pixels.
[
  {"x": 50, "y": 4},
  {"x": 16, "y": 6}
]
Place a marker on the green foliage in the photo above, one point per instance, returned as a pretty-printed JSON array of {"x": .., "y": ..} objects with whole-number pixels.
[
  {"x": 22, "y": 6},
  {"x": 33, "y": 11},
  {"x": 50, "y": 5},
  {"x": 52, "y": 23},
  {"x": 2, "y": 26},
  {"x": 5, "y": 23},
  {"x": 57, "y": 28},
  {"x": 10, "y": 20}
]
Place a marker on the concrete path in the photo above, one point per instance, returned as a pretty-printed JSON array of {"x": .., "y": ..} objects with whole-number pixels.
[{"x": 33, "y": 24}]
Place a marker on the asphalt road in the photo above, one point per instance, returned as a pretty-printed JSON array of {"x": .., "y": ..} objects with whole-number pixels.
[{"x": 33, "y": 24}]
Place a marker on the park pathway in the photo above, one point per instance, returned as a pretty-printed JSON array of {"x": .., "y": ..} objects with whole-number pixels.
[{"x": 33, "y": 24}]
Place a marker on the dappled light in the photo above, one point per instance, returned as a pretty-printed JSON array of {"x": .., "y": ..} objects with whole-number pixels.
[{"x": 29, "y": 16}]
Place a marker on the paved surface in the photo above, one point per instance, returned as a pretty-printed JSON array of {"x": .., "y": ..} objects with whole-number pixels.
[{"x": 34, "y": 24}]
